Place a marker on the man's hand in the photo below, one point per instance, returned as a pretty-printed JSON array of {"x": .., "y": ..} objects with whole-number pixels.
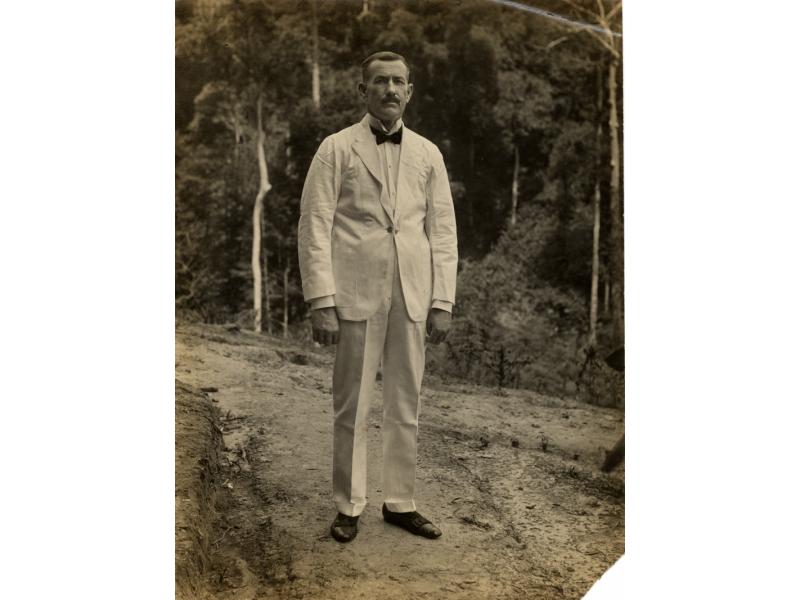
[
  {"x": 325, "y": 325},
  {"x": 438, "y": 325}
]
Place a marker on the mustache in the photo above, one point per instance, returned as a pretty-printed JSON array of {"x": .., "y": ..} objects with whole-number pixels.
[{"x": 391, "y": 98}]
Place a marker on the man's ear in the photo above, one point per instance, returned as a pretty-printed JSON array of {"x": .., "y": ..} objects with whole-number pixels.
[
  {"x": 362, "y": 88},
  {"x": 410, "y": 91}
]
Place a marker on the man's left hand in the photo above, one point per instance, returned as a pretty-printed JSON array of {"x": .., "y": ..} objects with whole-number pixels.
[{"x": 438, "y": 325}]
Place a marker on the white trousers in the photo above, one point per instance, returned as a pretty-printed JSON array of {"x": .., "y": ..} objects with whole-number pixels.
[{"x": 391, "y": 335}]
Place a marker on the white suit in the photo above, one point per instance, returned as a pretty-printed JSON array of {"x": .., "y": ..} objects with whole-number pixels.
[{"x": 383, "y": 256}]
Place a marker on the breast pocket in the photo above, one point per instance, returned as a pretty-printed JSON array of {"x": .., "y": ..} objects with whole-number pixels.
[
  {"x": 350, "y": 183},
  {"x": 360, "y": 192}
]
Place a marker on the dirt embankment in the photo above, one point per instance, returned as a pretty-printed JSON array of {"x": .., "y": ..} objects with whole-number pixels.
[
  {"x": 198, "y": 444},
  {"x": 512, "y": 479}
]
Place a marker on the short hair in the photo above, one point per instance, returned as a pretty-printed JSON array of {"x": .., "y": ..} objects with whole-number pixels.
[{"x": 384, "y": 56}]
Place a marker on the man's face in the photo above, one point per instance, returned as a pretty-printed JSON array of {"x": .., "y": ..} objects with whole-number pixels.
[{"x": 386, "y": 90}]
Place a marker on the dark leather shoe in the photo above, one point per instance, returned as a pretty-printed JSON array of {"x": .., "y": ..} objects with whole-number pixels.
[
  {"x": 344, "y": 528},
  {"x": 413, "y": 522}
]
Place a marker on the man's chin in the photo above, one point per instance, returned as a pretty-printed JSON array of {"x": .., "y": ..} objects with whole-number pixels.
[{"x": 389, "y": 114}]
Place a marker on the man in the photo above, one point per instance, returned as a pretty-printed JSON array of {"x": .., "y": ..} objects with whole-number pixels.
[{"x": 378, "y": 257}]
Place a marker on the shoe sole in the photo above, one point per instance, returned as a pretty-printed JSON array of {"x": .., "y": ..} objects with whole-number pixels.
[{"x": 418, "y": 532}]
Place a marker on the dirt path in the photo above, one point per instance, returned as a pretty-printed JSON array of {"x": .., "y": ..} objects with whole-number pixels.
[{"x": 512, "y": 480}]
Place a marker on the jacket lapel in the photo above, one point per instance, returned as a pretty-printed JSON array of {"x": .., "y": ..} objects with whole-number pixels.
[
  {"x": 367, "y": 150},
  {"x": 410, "y": 158}
]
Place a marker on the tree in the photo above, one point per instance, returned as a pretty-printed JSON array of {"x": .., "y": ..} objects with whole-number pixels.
[
  {"x": 473, "y": 48},
  {"x": 523, "y": 107},
  {"x": 607, "y": 16},
  {"x": 314, "y": 55},
  {"x": 245, "y": 47},
  {"x": 593, "y": 294},
  {"x": 258, "y": 219},
  {"x": 507, "y": 96}
]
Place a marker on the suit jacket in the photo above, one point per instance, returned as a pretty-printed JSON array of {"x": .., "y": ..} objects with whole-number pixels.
[{"x": 347, "y": 233}]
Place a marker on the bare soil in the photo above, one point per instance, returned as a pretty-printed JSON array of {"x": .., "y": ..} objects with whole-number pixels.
[{"x": 511, "y": 477}]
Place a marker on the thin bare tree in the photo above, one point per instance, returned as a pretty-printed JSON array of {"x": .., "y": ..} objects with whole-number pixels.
[
  {"x": 286, "y": 269},
  {"x": 605, "y": 15},
  {"x": 258, "y": 218},
  {"x": 315, "y": 55},
  {"x": 593, "y": 297},
  {"x": 515, "y": 187}
]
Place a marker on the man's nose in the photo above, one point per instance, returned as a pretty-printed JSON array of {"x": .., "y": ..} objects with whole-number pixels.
[{"x": 390, "y": 87}]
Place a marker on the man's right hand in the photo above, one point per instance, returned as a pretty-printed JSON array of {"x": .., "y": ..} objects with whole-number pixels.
[{"x": 325, "y": 325}]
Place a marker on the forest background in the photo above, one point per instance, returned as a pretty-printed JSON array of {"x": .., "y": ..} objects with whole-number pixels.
[{"x": 525, "y": 102}]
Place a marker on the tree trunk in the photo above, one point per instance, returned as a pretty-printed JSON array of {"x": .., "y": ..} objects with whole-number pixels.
[
  {"x": 596, "y": 227},
  {"x": 468, "y": 179},
  {"x": 237, "y": 133},
  {"x": 515, "y": 187},
  {"x": 617, "y": 249},
  {"x": 265, "y": 267},
  {"x": 255, "y": 260},
  {"x": 286, "y": 270},
  {"x": 315, "y": 55},
  {"x": 258, "y": 216},
  {"x": 595, "y": 262}
]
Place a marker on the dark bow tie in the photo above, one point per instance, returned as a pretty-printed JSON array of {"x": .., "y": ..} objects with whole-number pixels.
[{"x": 381, "y": 137}]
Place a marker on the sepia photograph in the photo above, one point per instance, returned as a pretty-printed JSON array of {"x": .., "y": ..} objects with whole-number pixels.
[{"x": 399, "y": 298}]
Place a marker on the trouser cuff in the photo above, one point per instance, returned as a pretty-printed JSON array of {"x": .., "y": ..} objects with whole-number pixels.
[
  {"x": 349, "y": 509},
  {"x": 401, "y": 506}
]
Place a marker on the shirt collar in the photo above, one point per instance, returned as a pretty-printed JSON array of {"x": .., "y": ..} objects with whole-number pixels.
[{"x": 379, "y": 126}]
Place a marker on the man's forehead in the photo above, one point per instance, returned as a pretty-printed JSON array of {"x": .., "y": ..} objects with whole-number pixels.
[{"x": 387, "y": 67}]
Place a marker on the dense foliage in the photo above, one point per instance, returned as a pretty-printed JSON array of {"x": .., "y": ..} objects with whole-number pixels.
[{"x": 491, "y": 82}]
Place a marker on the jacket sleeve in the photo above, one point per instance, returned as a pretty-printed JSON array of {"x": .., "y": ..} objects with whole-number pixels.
[
  {"x": 441, "y": 229},
  {"x": 317, "y": 208}
]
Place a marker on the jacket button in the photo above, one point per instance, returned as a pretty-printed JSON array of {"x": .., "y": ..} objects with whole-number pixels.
[{"x": 390, "y": 229}]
